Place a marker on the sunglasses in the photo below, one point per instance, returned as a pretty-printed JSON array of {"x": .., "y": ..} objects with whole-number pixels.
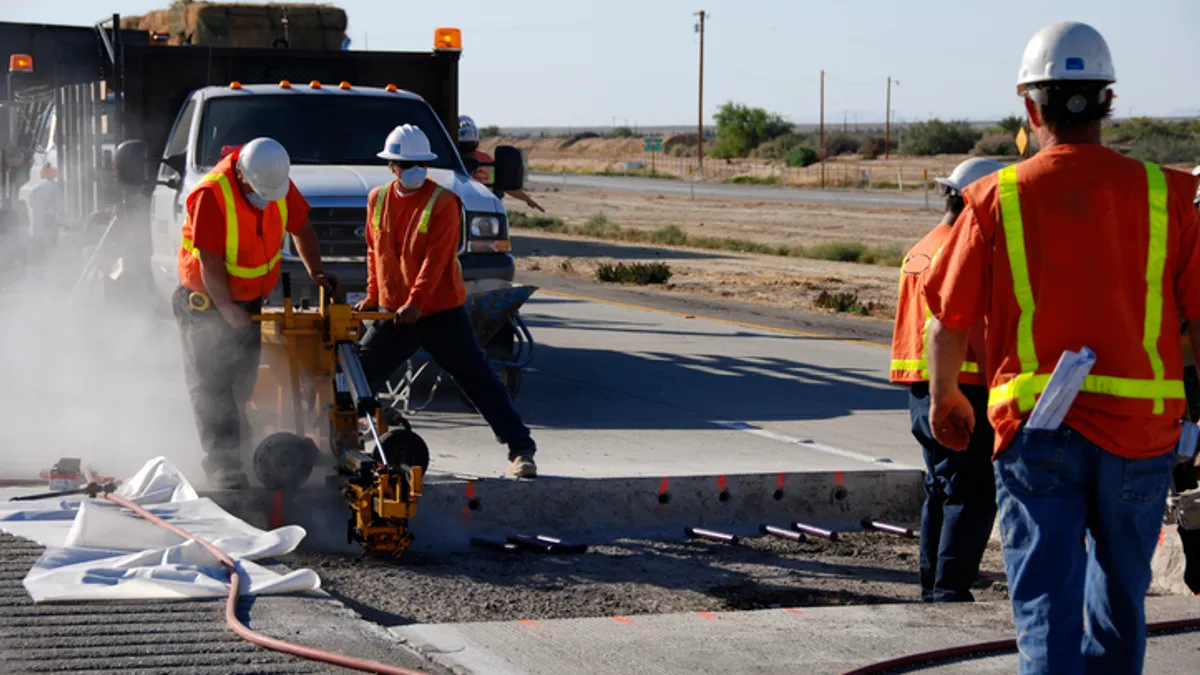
[{"x": 409, "y": 165}]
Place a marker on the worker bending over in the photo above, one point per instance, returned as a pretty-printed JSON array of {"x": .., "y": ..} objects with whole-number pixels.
[
  {"x": 1075, "y": 247},
  {"x": 229, "y": 262},
  {"x": 960, "y": 489},
  {"x": 468, "y": 146},
  {"x": 413, "y": 229}
]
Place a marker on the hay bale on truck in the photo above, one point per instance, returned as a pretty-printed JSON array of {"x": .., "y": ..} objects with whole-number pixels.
[{"x": 296, "y": 25}]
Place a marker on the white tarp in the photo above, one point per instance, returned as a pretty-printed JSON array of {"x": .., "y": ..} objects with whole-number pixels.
[{"x": 98, "y": 551}]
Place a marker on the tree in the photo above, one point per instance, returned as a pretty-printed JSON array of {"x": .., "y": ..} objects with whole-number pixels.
[
  {"x": 741, "y": 129},
  {"x": 1011, "y": 124},
  {"x": 489, "y": 131},
  {"x": 621, "y": 132},
  {"x": 936, "y": 137}
]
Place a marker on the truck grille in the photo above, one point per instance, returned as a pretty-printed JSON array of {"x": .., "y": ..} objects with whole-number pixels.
[{"x": 340, "y": 232}]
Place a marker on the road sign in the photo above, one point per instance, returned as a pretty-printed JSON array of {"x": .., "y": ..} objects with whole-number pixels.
[
  {"x": 1022, "y": 141},
  {"x": 653, "y": 144}
]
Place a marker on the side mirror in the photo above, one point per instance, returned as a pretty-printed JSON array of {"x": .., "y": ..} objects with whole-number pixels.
[
  {"x": 177, "y": 162},
  {"x": 509, "y": 168},
  {"x": 130, "y": 163},
  {"x": 471, "y": 163}
]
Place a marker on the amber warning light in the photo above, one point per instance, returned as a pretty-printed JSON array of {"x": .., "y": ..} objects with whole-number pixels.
[
  {"x": 20, "y": 63},
  {"x": 447, "y": 38}
]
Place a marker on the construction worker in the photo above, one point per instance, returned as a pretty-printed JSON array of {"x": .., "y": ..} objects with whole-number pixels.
[
  {"x": 468, "y": 146},
  {"x": 228, "y": 262},
  {"x": 1076, "y": 247},
  {"x": 960, "y": 493},
  {"x": 413, "y": 228}
]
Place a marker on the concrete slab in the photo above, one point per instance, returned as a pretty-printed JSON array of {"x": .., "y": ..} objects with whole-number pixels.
[{"x": 813, "y": 640}]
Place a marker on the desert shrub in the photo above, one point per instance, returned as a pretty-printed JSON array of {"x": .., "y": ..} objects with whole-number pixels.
[
  {"x": 842, "y": 144},
  {"x": 741, "y": 129},
  {"x": 841, "y": 302},
  {"x": 802, "y": 156},
  {"x": 621, "y": 132},
  {"x": 634, "y": 273},
  {"x": 936, "y": 137},
  {"x": 996, "y": 145}
]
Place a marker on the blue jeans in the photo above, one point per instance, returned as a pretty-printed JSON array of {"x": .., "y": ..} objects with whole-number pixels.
[
  {"x": 960, "y": 501},
  {"x": 1079, "y": 526}
]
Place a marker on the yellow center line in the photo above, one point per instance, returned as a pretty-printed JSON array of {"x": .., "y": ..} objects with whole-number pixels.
[{"x": 731, "y": 322}]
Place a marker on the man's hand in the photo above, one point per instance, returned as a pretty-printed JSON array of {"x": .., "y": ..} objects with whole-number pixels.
[
  {"x": 235, "y": 315},
  {"x": 533, "y": 204},
  {"x": 327, "y": 281},
  {"x": 952, "y": 419},
  {"x": 408, "y": 314},
  {"x": 366, "y": 305}
]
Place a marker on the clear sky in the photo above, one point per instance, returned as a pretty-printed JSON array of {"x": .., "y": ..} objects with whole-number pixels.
[{"x": 573, "y": 62}]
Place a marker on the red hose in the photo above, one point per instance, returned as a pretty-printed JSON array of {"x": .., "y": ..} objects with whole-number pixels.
[
  {"x": 244, "y": 631},
  {"x": 984, "y": 648}
]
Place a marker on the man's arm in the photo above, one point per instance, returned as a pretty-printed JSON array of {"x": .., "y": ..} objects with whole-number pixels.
[
  {"x": 521, "y": 195},
  {"x": 216, "y": 282},
  {"x": 372, "y": 299},
  {"x": 440, "y": 250}
]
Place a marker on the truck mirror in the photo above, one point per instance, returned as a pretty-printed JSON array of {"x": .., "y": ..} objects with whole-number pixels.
[
  {"x": 130, "y": 163},
  {"x": 509, "y": 168},
  {"x": 471, "y": 163},
  {"x": 177, "y": 162}
]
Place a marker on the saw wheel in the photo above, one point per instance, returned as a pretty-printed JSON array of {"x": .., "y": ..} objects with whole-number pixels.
[{"x": 284, "y": 460}]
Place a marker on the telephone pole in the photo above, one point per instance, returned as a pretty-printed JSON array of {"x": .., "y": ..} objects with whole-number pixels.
[
  {"x": 700, "y": 121},
  {"x": 822, "y": 144},
  {"x": 887, "y": 134}
]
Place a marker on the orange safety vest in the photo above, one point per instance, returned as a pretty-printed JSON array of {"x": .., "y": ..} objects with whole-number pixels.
[
  {"x": 909, "y": 362},
  {"x": 252, "y": 253}
]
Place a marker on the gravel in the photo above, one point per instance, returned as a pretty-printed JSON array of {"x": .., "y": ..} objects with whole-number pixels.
[{"x": 630, "y": 577}]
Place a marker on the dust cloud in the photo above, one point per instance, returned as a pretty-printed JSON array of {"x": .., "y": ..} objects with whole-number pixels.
[{"x": 95, "y": 374}]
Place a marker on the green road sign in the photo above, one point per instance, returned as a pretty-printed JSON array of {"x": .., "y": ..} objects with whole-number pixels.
[{"x": 653, "y": 144}]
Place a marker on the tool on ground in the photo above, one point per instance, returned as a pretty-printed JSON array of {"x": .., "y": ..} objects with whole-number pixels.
[
  {"x": 711, "y": 535},
  {"x": 313, "y": 373},
  {"x": 1064, "y": 385},
  {"x": 544, "y": 544},
  {"x": 782, "y": 533},
  {"x": 493, "y": 545},
  {"x": 814, "y": 531},
  {"x": 69, "y": 477},
  {"x": 199, "y": 302},
  {"x": 881, "y": 526}
]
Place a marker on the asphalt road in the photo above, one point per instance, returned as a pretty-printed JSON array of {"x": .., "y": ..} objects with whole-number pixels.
[{"x": 681, "y": 188}]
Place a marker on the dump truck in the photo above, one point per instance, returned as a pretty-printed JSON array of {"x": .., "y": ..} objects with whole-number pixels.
[{"x": 170, "y": 112}]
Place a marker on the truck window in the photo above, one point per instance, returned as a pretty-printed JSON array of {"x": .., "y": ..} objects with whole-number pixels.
[
  {"x": 178, "y": 143},
  {"x": 319, "y": 129}
]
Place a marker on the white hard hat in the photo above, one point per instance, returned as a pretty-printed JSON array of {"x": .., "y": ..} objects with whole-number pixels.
[
  {"x": 970, "y": 171},
  {"x": 1196, "y": 171},
  {"x": 1067, "y": 50},
  {"x": 265, "y": 165},
  {"x": 468, "y": 132},
  {"x": 407, "y": 143}
]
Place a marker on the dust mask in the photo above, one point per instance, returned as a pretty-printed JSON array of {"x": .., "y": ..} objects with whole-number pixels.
[
  {"x": 412, "y": 177},
  {"x": 256, "y": 201}
]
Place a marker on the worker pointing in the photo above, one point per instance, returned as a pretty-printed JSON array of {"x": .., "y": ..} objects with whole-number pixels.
[
  {"x": 228, "y": 262},
  {"x": 960, "y": 491},
  {"x": 1075, "y": 247},
  {"x": 413, "y": 228},
  {"x": 468, "y": 146}
]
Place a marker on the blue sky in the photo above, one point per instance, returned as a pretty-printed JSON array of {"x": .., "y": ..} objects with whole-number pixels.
[{"x": 570, "y": 62}]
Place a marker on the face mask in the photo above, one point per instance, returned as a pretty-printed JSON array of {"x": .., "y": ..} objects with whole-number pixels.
[
  {"x": 256, "y": 201},
  {"x": 413, "y": 177}
]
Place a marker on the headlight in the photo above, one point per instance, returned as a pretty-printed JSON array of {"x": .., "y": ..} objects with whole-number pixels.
[{"x": 486, "y": 227}]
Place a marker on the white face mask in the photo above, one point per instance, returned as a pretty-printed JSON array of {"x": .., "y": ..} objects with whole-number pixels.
[
  {"x": 256, "y": 201},
  {"x": 412, "y": 177}
]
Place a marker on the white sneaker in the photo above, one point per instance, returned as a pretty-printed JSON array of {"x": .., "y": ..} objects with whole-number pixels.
[{"x": 522, "y": 467}]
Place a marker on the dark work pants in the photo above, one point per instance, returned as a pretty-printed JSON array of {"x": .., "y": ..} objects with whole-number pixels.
[
  {"x": 221, "y": 366},
  {"x": 960, "y": 501},
  {"x": 450, "y": 340}
]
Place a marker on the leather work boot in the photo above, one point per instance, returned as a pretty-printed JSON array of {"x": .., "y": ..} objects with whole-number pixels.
[
  {"x": 228, "y": 479},
  {"x": 522, "y": 466}
]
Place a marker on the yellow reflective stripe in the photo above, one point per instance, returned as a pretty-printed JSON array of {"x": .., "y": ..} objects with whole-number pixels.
[
  {"x": 377, "y": 207},
  {"x": 231, "y": 223},
  {"x": 1156, "y": 261},
  {"x": 921, "y": 366},
  {"x": 423, "y": 226},
  {"x": 1014, "y": 237},
  {"x": 231, "y": 232},
  {"x": 283, "y": 212},
  {"x": 1027, "y": 386}
]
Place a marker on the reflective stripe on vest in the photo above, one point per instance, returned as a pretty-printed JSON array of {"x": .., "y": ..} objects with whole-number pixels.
[
  {"x": 1029, "y": 383},
  {"x": 422, "y": 226},
  {"x": 921, "y": 365},
  {"x": 231, "y": 231}
]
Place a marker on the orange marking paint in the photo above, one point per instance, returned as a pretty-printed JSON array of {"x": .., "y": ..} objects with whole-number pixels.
[
  {"x": 794, "y": 610},
  {"x": 527, "y": 622},
  {"x": 779, "y": 482},
  {"x": 276, "y": 509},
  {"x": 707, "y": 615},
  {"x": 839, "y": 478},
  {"x": 623, "y": 619}
]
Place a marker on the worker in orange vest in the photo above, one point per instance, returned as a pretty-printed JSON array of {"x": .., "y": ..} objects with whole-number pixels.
[
  {"x": 960, "y": 493},
  {"x": 1076, "y": 247},
  {"x": 468, "y": 146},
  {"x": 229, "y": 261},
  {"x": 413, "y": 228}
]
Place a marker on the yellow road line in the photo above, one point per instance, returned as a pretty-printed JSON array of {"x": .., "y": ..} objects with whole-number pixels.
[{"x": 743, "y": 324}]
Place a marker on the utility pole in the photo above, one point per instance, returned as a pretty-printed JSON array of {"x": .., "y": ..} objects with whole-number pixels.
[
  {"x": 843, "y": 121},
  {"x": 822, "y": 130},
  {"x": 700, "y": 122},
  {"x": 887, "y": 134}
]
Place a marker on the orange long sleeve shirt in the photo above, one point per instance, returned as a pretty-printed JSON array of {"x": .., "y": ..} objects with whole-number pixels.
[{"x": 412, "y": 249}]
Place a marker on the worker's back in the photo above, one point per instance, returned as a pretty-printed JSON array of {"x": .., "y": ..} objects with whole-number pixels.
[{"x": 1086, "y": 216}]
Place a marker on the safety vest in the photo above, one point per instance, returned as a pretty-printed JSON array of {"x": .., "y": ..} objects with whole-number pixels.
[
  {"x": 1024, "y": 387},
  {"x": 910, "y": 344},
  {"x": 252, "y": 256},
  {"x": 422, "y": 225}
]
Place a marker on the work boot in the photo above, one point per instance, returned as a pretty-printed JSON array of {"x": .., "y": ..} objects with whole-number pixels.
[
  {"x": 228, "y": 479},
  {"x": 522, "y": 466}
]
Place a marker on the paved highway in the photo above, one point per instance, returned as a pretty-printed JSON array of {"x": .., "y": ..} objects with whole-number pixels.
[{"x": 680, "y": 188}]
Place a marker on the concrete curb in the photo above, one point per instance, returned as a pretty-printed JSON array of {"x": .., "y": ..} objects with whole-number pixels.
[{"x": 454, "y": 509}]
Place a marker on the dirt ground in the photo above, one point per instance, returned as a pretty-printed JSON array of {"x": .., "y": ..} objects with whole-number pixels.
[
  {"x": 632, "y": 577},
  {"x": 787, "y": 282}
]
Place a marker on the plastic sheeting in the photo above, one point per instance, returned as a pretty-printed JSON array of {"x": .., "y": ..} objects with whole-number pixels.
[{"x": 96, "y": 550}]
